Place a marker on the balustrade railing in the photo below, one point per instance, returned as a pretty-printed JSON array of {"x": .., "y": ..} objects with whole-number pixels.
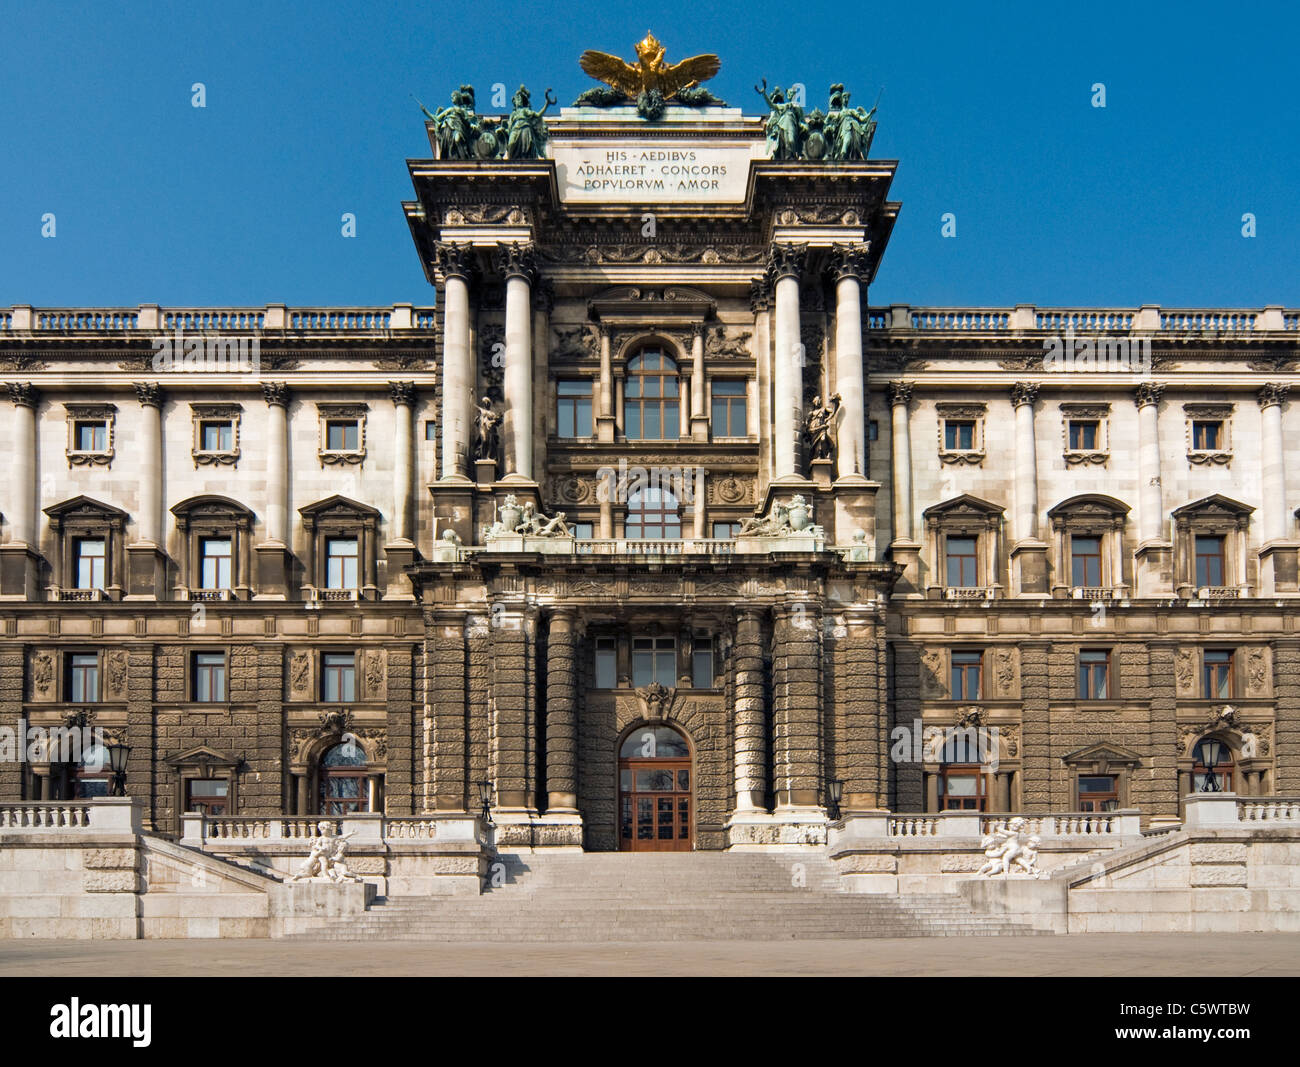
[
  {"x": 148, "y": 319},
  {"x": 1269, "y": 810}
]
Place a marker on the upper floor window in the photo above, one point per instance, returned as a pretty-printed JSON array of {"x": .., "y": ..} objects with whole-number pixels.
[
  {"x": 958, "y": 435},
  {"x": 92, "y": 562},
  {"x": 1216, "y": 674},
  {"x": 209, "y": 677},
  {"x": 960, "y": 555},
  {"x": 963, "y": 782},
  {"x": 725, "y": 531},
  {"x": 341, "y": 563},
  {"x": 1094, "y": 674},
  {"x": 83, "y": 677},
  {"x": 962, "y": 546},
  {"x": 216, "y": 434},
  {"x": 1086, "y": 431},
  {"x": 213, "y": 563},
  {"x": 1210, "y": 567},
  {"x": 1098, "y": 792},
  {"x": 215, "y": 559},
  {"x": 651, "y": 398},
  {"x": 961, "y": 433},
  {"x": 430, "y": 431},
  {"x": 573, "y": 409},
  {"x": 583, "y": 531},
  {"x": 654, "y": 659},
  {"x": 702, "y": 667},
  {"x": 966, "y": 675},
  {"x": 653, "y": 515},
  {"x": 90, "y": 557},
  {"x": 729, "y": 406},
  {"x": 1088, "y": 543},
  {"x": 1210, "y": 547},
  {"x": 90, "y": 434},
  {"x": 1083, "y": 434},
  {"x": 1209, "y": 434},
  {"x": 1085, "y": 561},
  {"x": 338, "y": 676},
  {"x": 342, "y": 433},
  {"x": 606, "y": 663}
]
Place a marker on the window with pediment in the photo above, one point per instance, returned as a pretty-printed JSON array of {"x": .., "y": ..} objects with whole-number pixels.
[
  {"x": 214, "y": 555},
  {"x": 216, "y": 434},
  {"x": 964, "y": 548},
  {"x": 1210, "y": 545},
  {"x": 342, "y": 434},
  {"x": 91, "y": 434},
  {"x": 90, "y": 557},
  {"x": 651, "y": 396},
  {"x": 1208, "y": 430},
  {"x": 1086, "y": 432},
  {"x": 961, "y": 433},
  {"x": 1100, "y": 776},
  {"x": 342, "y": 539},
  {"x": 1088, "y": 547}
]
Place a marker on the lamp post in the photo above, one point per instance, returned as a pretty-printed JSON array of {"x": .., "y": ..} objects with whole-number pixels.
[
  {"x": 117, "y": 754},
  {"x": 1211, "y": 753},
  {"x": 834, "y": 791},
  {"x": 485, "y": 798}
]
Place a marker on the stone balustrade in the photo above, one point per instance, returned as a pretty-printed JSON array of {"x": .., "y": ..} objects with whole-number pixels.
[
  {"x": 1270, "y": 810},
  {"x": 950, "y": 824},
  {"x": 98, "y": 815},
  {"x": 226, "y": 833},
  {"x": 1150, "y": 318},
  {"x": 22, "y": 320}
]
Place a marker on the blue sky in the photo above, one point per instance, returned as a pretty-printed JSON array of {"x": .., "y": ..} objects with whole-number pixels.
[{"x": 987, "y": 107}]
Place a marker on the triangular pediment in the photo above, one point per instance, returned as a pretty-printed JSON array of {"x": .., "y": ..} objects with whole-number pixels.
[
  {"x": 1216, "y": 504},
  {"x": 1103, "y": 752},
  {"x": 964, "y": 506},
  {"x": 84, "y": 506},
  {"x": 338, "y": 507},
  {"x": 201, "y": 755}
]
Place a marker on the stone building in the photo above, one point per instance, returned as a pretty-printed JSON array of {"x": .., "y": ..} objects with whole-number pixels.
[{"x": 320, "y": 565}]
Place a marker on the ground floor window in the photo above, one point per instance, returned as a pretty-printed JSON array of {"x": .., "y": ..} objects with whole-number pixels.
[
  {"x": 344, "y": 780},
  {"x": 1098, "y": 792},
  {"x": 210, "y": 796}
]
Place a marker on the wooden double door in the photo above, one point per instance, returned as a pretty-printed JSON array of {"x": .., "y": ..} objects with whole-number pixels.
[{"x": 656, "y": 798}]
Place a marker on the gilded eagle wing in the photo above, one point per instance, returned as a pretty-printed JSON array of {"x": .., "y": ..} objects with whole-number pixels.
[
  {"x": 612, "y": 71},
  {"x": 687, "y": 73}
]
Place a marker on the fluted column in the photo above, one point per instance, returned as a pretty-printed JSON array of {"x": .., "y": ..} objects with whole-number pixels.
[
  {"x": 561, "y": 714},
  {"x": 277, "y": 461},
  {"x": 1272, "y": 462},
  {"x": 1023, "y": 396},
  {"x": 760, "y": 301},
  {"x": 605, "y": 396},
  {"x": 751, "y": 725},
  {"x": 150, "y": 465},
  {"x": 21, "y": 498},
  {"x": 900, "y": 395},
  {"x": 517, "y": 265},
  {"x": 699, "y": 417},
  {"x": 699, "y": 506},
  {"x": 403, "y": 434},
  {"x": 785, "y": 264},
  {"x": 849, "y": 270},
  {"x": 1151, "y": 517},
  {"x": 457, "y": 361}
]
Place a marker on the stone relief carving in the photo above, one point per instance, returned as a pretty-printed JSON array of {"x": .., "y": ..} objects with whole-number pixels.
[
  {"x": 717, "y": 344},
  {"x": 1006, "y": 668},
  {"x": 1257, "y": 671},
  {"x": 1185, "y": 672},
  {"x": 932, "y": 675},
  {"x": 731, "y": 490},
  {"x": 377, "y": 675},
  {"x": 575, "y": 342},
  {"x": 43, "y": 676},
  {"x": 115, "y": 675},
  {"x": 300, "y": 676},
  {"x": 656, "y": 700}
]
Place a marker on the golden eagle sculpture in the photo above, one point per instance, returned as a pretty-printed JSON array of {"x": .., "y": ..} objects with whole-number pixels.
[{"x": 650, "y": 82}]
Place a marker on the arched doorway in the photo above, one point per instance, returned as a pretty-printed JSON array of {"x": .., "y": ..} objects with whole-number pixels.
[{"x": 656, "y": 794}]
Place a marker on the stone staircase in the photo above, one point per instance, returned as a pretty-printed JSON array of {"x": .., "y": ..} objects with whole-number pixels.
[{"x": 695, "y": 896}]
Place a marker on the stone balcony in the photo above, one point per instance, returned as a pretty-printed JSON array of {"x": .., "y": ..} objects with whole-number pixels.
[
  {"x": 1169, "y": 323},
  {"x": 25, "y": 322}
]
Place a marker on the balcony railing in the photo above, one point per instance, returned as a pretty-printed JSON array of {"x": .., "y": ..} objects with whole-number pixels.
[
  {"x": 1095, "y": 592},
  {"x": 652, "y": 547},
  {"x": 964, "y": 592},
  {"x": 149, "y": 318},
  {"x": 211, "y": 594},
  {"x": 82, "y": 594},
  {"x": 1152, "y": 319},
  {"x": 1218, "y": 592},
  {"x": 337, "y": 596}
]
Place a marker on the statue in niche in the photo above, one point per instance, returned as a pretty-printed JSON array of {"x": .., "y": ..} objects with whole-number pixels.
[
  {"x": 486, "y": 432},
  {"x": 819, "y": 427},
  {"x": 525, "y": 129},
  {"x": 785, "y": 123}
]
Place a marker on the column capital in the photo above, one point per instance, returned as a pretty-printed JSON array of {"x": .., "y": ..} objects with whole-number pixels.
[
  {"x": 402, "y": 392},
  {"x": 786, "y": 261},
  {"x": 149, "y": 394},
  {"x": 849, "y": 261},
  {"x": 1148, "y": 393},
  {"x": 516, "y": 260},
  {"x": 563, "y": 615},
  {"x": 1272, "y": 394},
  {"x": 453, "y": 260},
  {"x": 699, "y": 330},
  {"x": 900, "y": 393},
  {"x": 24, "y": 394},
  {"x": 276, "y": 394},
  {"x": 748, "y": 614},
  {"x": 760, "y": 295},
  {"x": 1023, "y": 393}
]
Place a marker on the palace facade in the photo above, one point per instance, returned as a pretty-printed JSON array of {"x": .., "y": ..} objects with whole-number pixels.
[{"x": 803, "y": 539}]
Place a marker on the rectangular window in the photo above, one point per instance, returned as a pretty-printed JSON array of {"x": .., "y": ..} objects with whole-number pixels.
[
  {"x": 1098, "y": 792},
  {"x": 1209, "y": 561},
  {"x": 1217, "y": 674},
  {"x": 573, "y": 409},
  {"x": 1207, "y": 435},
  {"x": 209, "y": 674},
  {"x": 215, "y": 563},
  {"x": 1094, "y": 674},
  {"x": 1085, "y": 561},
  {"x": 216, "y": 436},
  {"x": 960, "y": 556},
  {"x": 873, "y": 430},
  {"x": 729, "y": 409},
  {"x": 91, "y": 436},
  {"x": 341, "y": 435},
  {"x": 966, "y": 675},
  {"x": 430, "y": 430},
  {"x": 341, "y": 563},
  {"x": 654, "y": 659},
  {"x": 606, "y": 663},
  {"x": 725, "y": 531},
  {"x": 339, "y": 676},
  {"x": 208, "y": 795},
  {"x": 583, "y": 531},
  {"x": 1083, "y": 435},
  {"x": 91, "y": 563},
  {"x": 83, "y": 677},
  {"x": 958, "y": 435},
  {"x": 702, "y": 663}
]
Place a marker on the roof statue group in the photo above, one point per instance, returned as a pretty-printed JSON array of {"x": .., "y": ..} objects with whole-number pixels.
[{"x": 841, "y": 133}]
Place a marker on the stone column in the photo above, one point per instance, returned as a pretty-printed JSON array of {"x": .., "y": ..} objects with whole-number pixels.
[
  {"x": 605, "y": 395},
  {"x": 760, "y": 300},
  {"x": 561, "y": 714},
  {"x": 1272, "y": 465},
  {"x": 457, "y": 362},
  {"x": 146, "y": 562},
  {"x": 797, "y": 704},
  {"x": 512, "y": 758},
  {"x": 698, "y": 508},
  {"x": 1153, "y": 559},
  {"x": 900, "y": 395},
  {"x": 751, "y": 724},
  {"x": 785, "y": 265},
  {"x": 517, "y": 265},
  {"x": 1028, "y": 556},
  {"x": 19, "y": 563},
  {"x": 699, "y": 416},
  {"x": 849, "y": 267},
  {"x": 400, "y": 549},
  {"x": 273, "y": 559}
]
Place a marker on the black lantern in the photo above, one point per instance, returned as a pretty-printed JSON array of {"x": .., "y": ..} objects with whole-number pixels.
[
  {"x": 1211, "y": 752},
  {"x": 117, "y": 754},
  {"x": 485, "y": 798},
  {"x": 834, "y": 791}
]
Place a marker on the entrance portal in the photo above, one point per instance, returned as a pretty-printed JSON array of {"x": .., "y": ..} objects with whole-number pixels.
[{"x": 655, "y": 791}]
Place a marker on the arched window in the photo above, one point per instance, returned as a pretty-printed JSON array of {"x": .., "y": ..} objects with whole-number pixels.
[
  {"x": 344, "y": 780},
  {"x": 651, "y": 404},
  {"x": 653, "y": 514},
  {"x": 963, "y": 783},
  {"x": 1212, "y": 767}
]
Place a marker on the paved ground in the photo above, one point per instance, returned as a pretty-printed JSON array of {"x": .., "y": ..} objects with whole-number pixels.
[{"x": 1138, "y": 955}]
